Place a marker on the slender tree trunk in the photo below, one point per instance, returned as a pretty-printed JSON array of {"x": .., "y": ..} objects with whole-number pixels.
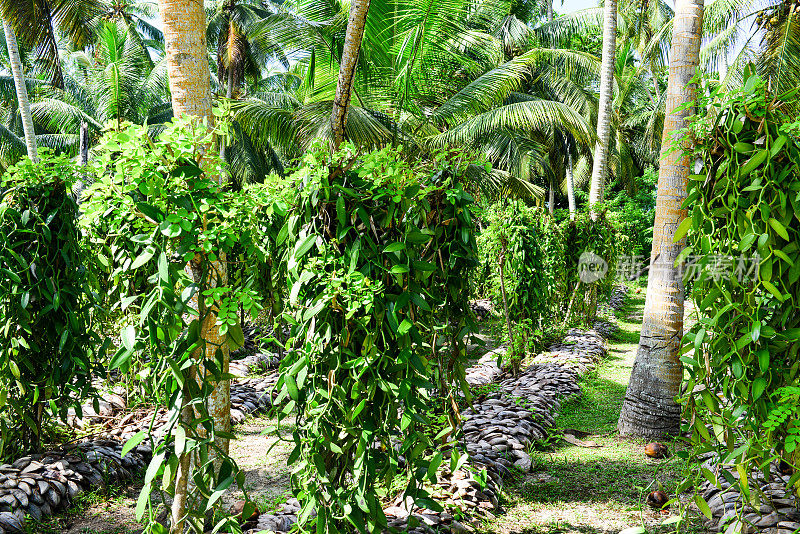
[
  {"x": 223, "y": 149},
  {"x": 655, "y": 85},
  {"x": 650, "y": 409},
  {"x": 600, "y": 163},
  {"x": 551, "y": 196},
  {"x": 22, "y": 92},
  {"x": 549, "y": 10},
  {"x": 83, "y": 150},
  {"x": 570, "y": 188},
  {"x": 184, "y": 26},
  {"x": 347, "y": 68},
  {"x": 178, "y": 508}
]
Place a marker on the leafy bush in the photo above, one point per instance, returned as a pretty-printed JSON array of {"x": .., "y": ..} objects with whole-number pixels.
[
  {"x": 742, "y": 354},
  {"x": 379, "y": 270},
  {"x": 635, "y": 214},
  {"x": 528, "y": 241},
  {"x": 542, "y": 257},
  {"x": 47, "y": 352}
]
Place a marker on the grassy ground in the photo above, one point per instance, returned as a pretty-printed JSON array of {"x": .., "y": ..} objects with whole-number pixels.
[{"x": 594, "y": 490}]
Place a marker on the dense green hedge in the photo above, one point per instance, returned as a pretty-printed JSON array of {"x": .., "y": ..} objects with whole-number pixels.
[{"x": 46, "y": 344}]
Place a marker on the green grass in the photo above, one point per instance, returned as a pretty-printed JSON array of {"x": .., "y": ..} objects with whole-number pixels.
[{"x": 594, "y": 490}]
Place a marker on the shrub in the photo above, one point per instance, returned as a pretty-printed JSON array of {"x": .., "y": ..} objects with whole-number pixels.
[
  {"x": 47, "y": 352},
  {"x": 379, "y": 274},
  {"x": 542, "y": 259},
  {"x": 635, "y": 214}
]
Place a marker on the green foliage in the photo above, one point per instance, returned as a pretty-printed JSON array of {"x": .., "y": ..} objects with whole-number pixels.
[
  {"x": 743, "y": 370},
  {"x": 163, "y": 197},
  {"x": 46, "y": 348},
  {"x": 379, "y": 264},
  {"x": 542, "y": 255},
  {"x": 635, "y": 214},
  {"x": 526, "y": 238}
]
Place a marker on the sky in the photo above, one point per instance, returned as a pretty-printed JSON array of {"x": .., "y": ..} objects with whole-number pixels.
[{"x": 572, "y": 5}]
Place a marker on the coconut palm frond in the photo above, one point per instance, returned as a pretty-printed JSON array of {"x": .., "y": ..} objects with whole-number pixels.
[{"x": 540, "y": 115}]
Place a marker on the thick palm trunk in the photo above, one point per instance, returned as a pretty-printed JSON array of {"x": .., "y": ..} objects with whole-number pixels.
[
  {"x": 347, "y": 68},
  {"x": 600, "y": 163},
  {"x": 22, "y": 91},
  {"x": 184, "y": 26},
  {"x": 650, "y": 409}
]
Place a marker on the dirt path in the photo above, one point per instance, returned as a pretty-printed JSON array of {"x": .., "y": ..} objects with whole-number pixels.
[{"x": 576, "y": 489}]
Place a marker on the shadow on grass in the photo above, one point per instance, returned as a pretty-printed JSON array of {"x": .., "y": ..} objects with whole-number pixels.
[
  {"x": 626, "y": 336},
  {"x": 564, "y": 527}
]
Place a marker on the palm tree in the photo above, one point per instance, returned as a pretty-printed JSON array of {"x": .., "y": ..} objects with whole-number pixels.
[
  {"x": 650, "y": 409},
  {"x": 22, "y": 91},
  {"x": 599, "y": 164},
  {"x": 118, "y": 82},
  {"x": 519, "y": 115},
  {"x": 38, "y": 24}
]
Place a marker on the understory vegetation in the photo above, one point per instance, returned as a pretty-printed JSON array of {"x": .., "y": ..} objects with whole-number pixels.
[{"x": 401, "y": 211}]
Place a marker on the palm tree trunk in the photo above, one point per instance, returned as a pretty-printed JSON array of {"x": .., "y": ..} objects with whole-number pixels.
[
  {"x": 347, "y": 68},
  {"x": 549, "y": 10},
  {"x": 184, "y": 26},
  {"x": 551, "y": 196},
  {"x": 83, "y": 150},
  {"x": 650, "y": 409},
  {"x": 570, "y": 188},
  {"x": 22, "y": 92},
  {"x": 600, "y": 163}
]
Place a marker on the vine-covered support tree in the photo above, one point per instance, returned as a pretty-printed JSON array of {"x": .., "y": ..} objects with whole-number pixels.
[
  {"x": 47, "y": 350},
  {"x": 184, "y": 26},
  {"x": 650, "y": 408},
  {"x": 379, "y": 272}
]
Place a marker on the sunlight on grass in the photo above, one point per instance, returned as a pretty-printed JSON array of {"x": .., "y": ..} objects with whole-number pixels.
[{"x": 593, "y": 490}]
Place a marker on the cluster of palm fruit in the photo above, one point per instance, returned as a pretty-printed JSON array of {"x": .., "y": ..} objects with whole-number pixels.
[{"x": 774, "y": 16}]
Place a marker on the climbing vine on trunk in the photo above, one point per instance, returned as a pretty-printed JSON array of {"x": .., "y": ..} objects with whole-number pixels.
[
  {"x": 186, "y": 229},
  {"x": 743, "y": 262}
]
